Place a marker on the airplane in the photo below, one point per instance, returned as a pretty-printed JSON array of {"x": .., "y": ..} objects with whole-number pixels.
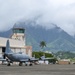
[
  {"x": 44, "y": 58},
  {"x": 17, "y": 57}
]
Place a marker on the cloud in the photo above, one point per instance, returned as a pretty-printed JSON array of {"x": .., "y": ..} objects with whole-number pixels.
[{"x": 60, "y": 12}]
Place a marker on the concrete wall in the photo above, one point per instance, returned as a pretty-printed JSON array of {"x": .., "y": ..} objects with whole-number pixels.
[
  {"x": 13, "y": 43},
  {"x": 19, "y": 50},
  {"x": 63, "y": 62},
  {"x": 29, "y": 50}
]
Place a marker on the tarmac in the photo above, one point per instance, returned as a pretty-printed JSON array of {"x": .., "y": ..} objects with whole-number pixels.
[{"x": 51, "y": 69}]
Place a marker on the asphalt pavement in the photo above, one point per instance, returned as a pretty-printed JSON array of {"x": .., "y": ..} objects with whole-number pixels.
[{"x": 38, "y": 70}]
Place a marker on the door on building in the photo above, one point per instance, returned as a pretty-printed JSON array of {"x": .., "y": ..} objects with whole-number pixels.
[{"x": 3, "y": 52}]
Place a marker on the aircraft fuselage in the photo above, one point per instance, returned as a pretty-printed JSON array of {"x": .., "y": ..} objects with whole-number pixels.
[{"x": 18, "y": 57}]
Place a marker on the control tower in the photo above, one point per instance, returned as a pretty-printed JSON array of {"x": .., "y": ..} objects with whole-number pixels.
[{"x": 18, "y": 33}]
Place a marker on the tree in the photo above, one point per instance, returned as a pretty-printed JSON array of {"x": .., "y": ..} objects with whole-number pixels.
[
  {"x": 42, "y": 44},
  {"x": 39, "y": 54}
]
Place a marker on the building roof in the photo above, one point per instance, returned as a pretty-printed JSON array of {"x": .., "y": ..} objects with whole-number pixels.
[{"x": 13, "y": 43}]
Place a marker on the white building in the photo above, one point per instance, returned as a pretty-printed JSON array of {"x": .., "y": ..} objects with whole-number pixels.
[{"x": 17, "y": 42}]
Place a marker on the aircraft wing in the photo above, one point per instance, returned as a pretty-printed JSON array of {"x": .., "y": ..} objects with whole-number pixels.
[
  {"x": 43, "y": 58},
  {"x": 1, "y": 58},
  {"x": 27, "y": 60},
  {"x": 34, "y": 59},
  {"x": 47, "y": 58}
]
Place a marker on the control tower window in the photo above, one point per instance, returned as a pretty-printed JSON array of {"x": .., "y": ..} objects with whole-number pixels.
[{"x": 18, "y": 30}]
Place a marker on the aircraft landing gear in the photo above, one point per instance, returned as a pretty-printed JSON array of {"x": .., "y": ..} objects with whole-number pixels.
[
  {"x": 25, "y": 64},
  {"x": 20, "y": 64},
  {"x": 30, "y": 64},
  {"x": 8, "y": 64}
]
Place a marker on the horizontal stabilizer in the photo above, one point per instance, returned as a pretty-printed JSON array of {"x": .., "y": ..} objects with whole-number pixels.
[{"x": 2, "y": 59}]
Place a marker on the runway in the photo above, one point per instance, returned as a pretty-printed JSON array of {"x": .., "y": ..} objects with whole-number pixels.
[{"x": 38, "y": 70}]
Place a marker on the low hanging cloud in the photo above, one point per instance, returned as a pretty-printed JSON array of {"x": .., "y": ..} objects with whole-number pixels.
[{"x": 61, "y": 13}]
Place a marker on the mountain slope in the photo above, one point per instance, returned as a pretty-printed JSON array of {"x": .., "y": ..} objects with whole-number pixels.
[{"x": 55, "y": 38}]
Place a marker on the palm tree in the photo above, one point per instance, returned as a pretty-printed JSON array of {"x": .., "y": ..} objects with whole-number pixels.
[{"x": 42, "y": 44}]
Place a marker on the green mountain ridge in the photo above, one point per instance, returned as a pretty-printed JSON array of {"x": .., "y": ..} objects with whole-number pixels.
[
  {"x": 61, "y": 44},
  {"x": 56, "y": 39}
]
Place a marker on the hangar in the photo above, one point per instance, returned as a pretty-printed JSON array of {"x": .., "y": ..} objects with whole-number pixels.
[{"x": 17, "y": 42}]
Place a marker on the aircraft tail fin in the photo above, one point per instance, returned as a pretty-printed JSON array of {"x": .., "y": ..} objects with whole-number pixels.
[
  {"x": 8, "y": 49},
  {"x": 43, "y": 57}
]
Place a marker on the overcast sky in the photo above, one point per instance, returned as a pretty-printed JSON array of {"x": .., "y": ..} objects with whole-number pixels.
[{"x": 60, "y": 12}]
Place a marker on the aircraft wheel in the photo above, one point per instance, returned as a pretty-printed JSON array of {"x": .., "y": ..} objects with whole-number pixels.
[
  {"x": 8, "y": 64},
  {"x": 25, "y": 64},
  {"x": 20, "y": 64},
  {"x": 30, "y": 64}
]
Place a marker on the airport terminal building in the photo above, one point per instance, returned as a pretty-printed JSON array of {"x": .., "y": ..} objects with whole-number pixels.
[{"x": 17, "y": 42}]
